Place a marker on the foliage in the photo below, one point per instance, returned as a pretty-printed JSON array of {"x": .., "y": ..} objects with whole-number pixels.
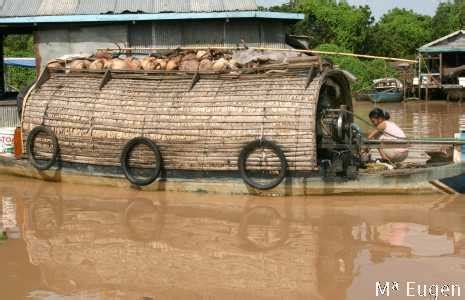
[
  {"x": 397, "y": 34},
  {"x": 18, "y": 77},
  {"x": 450, "y": 17},
  {"x": 334, "y": 25},
  {"x": 332, "y": 21},
  {"x": 400, "y": 32},
  {"x": 19, "y": 46},
  {"x": 365, "y": 70},
  {"x": 335, "y": 22}
]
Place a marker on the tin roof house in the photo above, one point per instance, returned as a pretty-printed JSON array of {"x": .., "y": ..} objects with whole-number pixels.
[
  {"x": 82, "y": 26},
  {"x": 442, "y": 66}
]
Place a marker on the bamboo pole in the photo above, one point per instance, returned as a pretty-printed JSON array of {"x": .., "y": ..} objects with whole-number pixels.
[
  {"x": 419, "y": 76},
  {"x": 310, "y": 51}
]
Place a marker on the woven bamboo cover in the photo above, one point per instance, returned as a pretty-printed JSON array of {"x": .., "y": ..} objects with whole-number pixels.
[{"x": 203, "y": 128}]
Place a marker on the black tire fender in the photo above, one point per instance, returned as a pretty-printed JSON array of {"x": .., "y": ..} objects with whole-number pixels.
[
  {"x": 248, "y": 149},
  {"x": 125, "y": 161},
  {"x": 30, "y": 148}
]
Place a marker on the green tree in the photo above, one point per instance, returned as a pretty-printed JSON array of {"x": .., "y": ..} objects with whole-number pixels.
[
  {"x": 400, "y": 32},
  {"x": 332, "y": 21},
  {"x": 449, "y": 17},
  {"x": 19, "y": 45},
  {"x": 365, "y": 70}
]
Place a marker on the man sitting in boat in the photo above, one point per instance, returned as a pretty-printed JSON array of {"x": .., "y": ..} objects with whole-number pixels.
[{"x": 387, "y": 130}]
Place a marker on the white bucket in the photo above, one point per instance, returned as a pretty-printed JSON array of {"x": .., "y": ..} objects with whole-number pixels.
[
  {"x": 459, "y": 151},
  {"x": 462, "y": 81},
  {"x": 7, "y": 144}
]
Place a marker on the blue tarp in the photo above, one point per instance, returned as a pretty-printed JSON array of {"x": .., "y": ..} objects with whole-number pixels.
[{"x": 21, "y": 62}]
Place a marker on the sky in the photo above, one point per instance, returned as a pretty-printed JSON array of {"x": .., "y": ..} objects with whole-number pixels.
[{"x": 379, "y": 7}]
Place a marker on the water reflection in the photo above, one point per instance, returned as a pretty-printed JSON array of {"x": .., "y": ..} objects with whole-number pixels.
[
  {"x": 8, "y": 223},
  {"x": 263, "y": 228},
  {"x": 144, "y": 219},
  {"x": 99, "y": 243}
]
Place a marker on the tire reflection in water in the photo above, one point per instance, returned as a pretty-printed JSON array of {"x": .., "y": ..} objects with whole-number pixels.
[
  {"x": 46, "y": 211},
  {"x": 144, "y": 219},
  {"x": 263, "y": 228}
]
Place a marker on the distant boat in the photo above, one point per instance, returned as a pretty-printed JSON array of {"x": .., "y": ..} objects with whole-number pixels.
[
  {"x": 385, "y": 90},
  {"x": 391, "y": 96}
]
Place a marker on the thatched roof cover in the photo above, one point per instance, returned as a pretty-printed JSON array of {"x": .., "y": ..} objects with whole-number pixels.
[{"x": 203, "y": 128}]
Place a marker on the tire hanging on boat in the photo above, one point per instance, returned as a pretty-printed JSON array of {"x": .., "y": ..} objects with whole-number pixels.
[
  {"x": 125, "y": 161},
  {"x": 42, "y": 166},
  {"x": 249, "y": 149}
]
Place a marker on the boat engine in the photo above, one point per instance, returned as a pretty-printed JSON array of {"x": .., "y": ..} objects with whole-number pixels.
[{"x": 339, "y": 146}]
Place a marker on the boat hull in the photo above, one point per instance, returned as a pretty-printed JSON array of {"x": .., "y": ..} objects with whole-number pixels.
[
  {"x": 362, "y": 98},
  {"x": 392, "y": 182},
  {"x": 455, "y": 184},
  {"x": 386, "y": 97}
]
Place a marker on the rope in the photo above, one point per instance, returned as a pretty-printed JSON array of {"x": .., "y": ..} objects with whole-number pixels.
[{"x": 45, "y": 115}]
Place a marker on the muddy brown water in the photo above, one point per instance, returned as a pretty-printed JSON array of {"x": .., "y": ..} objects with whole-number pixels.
[
  {"x": 82, "y": 242},
  {"x": 85, "y": 242},
  {"x": 420, "y": 119}
]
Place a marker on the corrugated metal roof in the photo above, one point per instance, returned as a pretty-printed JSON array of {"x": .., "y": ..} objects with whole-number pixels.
[
  {"x": 12, "y": 21},
  {"x": 206, "y": 33},
  {"x": 440, "y": 50},
  {"x": 11, "y": 7},
  {"x": 454, "y": 42},
  {"x": 445, "y": 38},
  {"x": 24, "y": 8},
  {"x": 94, "y": 7},
  {"x": 9, "y": 116}
]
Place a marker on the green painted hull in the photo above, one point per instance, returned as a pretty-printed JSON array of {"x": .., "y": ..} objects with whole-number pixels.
[
  {"x": 386, "y": 97},
  {"x": 403, "y": 181}
]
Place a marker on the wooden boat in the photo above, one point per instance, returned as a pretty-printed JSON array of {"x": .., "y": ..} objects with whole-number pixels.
[
  {"x": 361, "y": 96},
  {"x": 448, "y": 179},
  {"x": 388, "y": 96},
  {"x": 205, "y": 132},
  {"x": 386, "y": 90}
]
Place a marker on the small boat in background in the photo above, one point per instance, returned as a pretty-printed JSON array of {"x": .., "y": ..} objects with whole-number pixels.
[{"x": 385, "y": 90}]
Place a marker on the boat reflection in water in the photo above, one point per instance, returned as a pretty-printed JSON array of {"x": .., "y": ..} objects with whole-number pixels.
[{"x": 94, "y": 243}]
